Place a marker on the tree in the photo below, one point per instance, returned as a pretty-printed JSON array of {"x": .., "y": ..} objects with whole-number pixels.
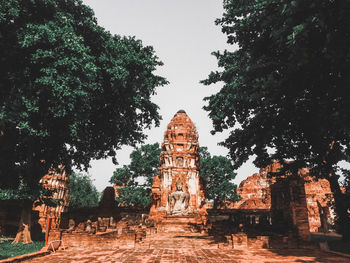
[
  {"x": 70, "y": 90},
  {"x": 82, "y": 192},
  {"x": 134, "y": 196},
  {"x": 142, "y": 168},
  {"x": 217, "y": 174},
  {"x": 286, "y": 87}
]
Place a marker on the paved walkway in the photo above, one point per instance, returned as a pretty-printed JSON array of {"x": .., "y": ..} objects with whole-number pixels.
[
  {"x": 190, "y": 256},
  {"x": 186, "y": 248}
]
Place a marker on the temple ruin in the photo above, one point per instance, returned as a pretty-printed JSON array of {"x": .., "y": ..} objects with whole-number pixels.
[
  {"x": 56, "y": 180},
  {"x": 177, "y": 193},
  {"x": 303, "y": 204},
  {"x": 272, "y": 213}
]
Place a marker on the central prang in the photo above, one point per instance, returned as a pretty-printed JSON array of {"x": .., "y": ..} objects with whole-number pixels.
[{"x": 176, "y": 191}]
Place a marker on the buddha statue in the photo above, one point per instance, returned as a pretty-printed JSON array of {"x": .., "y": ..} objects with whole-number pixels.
[{"x": 179, "y": 200}]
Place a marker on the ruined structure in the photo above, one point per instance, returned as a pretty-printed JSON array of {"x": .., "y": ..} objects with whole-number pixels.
[
  {"x": 319, "y": 200},
  {"x": 303, "y": 203},
  {"x": 57, "y": 182},
  {"x": 176, "y": 191}
]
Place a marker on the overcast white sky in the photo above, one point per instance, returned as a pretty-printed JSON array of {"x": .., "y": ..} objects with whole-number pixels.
[{"x": 183, "y": 34}]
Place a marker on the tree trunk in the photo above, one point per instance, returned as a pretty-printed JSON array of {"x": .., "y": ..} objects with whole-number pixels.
[
  {"x": 25, "y": 222},
  {"x": 343, "y": 220}
]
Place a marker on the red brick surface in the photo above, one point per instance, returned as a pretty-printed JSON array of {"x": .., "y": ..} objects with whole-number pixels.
[
  {"x": 186, "y": 248},
  {"x": 190, "y": 256},
  {"x": 57, "y": 181}
]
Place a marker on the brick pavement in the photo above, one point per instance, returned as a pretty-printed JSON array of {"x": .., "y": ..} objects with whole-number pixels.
[
  {"x": 186, "y": 248},
  {"x": 144, "y": 255}
]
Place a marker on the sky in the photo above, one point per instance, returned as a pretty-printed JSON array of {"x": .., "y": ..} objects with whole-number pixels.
[{"x": 183, "y": 34}]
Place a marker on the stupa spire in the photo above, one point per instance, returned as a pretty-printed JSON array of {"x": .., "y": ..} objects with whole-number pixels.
[{"x": 177, "y": 190}]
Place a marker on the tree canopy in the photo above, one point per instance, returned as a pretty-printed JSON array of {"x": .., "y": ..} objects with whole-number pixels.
[
  {"x": 70, "y": 90},
  {"x": 286, "y": 86},
  {"x": 82, "y": 192},
  {"x": 217, "y": 174},
  {"x": 134, "y": 196},
  {"x": 135, "y": 180}
]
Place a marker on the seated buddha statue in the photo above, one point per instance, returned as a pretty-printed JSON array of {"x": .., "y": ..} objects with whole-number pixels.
[{"x": 179, "y": 200}]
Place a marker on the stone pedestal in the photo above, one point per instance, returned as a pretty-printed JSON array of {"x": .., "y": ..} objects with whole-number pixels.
[{"x": 180, "y": 223}]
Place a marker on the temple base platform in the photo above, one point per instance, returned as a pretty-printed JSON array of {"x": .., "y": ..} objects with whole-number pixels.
[{"x": 180, "y": 223}]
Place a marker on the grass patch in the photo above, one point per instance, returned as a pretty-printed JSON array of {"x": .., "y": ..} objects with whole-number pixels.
[{"x": 7, "y": 250}]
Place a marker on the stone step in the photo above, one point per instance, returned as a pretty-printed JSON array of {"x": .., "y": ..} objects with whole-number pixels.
[
  {"x": 167, "y": 222},
  {"x": 180, "y": 220},
  {"x": 172, "y": 228}
]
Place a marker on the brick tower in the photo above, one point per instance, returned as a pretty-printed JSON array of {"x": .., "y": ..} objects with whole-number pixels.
[
  {"x": 176, "y": 191},
  {"x": 57, "y": 181}
]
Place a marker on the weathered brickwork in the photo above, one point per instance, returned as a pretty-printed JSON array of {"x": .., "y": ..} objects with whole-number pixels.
[
  {"x": 177, "y": 191},
  {"x": 319, "y": 199},
  {"x": 57, "y": 181},
  {"x": 304, "y": 204}
]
